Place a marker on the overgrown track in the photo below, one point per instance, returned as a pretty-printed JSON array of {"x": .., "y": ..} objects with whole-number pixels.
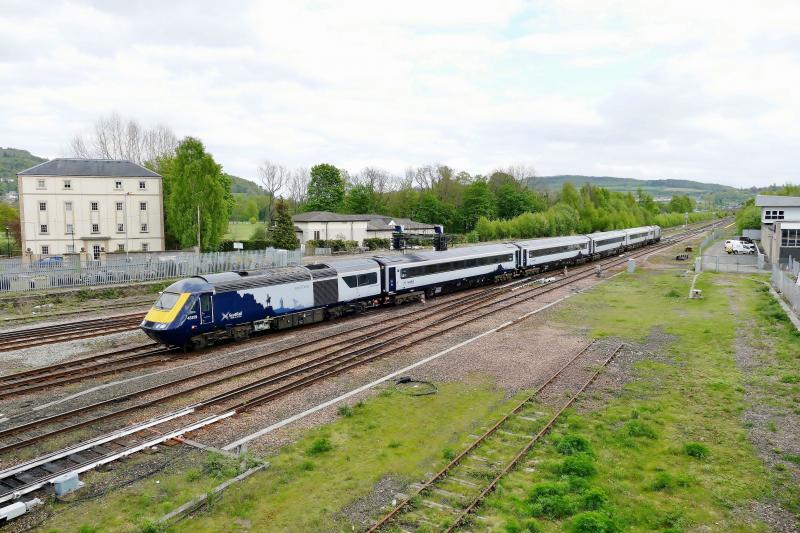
[
  {"x": 316, "y": 364},
  {"x": 38, "y": 336},
  {"x": 446, "y": 500}
]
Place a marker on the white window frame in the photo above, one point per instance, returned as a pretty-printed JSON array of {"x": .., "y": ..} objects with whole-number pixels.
[
  {"x": 69, "y": 229},
  {"x": 120, "y": 247},
  {"x": 70, "y": 248},
  {"x": 42, "y": 206},
  {"x": 142, "y": 185},
  {"x": 43, "y": 229},
  {"x": 142, "y": 206},
  {"x": 41, "y": 184},
  {"x": 95, "y": 226},
  {"x": 94, "y": 206},
  {"x": 68, "y": 205},
  {"x": 119, "y": 206},
  {"x": 45, "y": 249},
  {"x": 118, "y": 185},
  {"x": 120, "y": 228},
  {"x": 68, "y": 184},
  {"x": 145, "y": 247},
  {"x": 143, "y": 228}
]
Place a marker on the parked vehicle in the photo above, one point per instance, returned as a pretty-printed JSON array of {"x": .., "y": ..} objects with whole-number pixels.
[{"x": 734, "y": 246}]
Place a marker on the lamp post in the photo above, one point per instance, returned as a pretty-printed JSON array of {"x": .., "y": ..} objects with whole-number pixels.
[{"x": 8, "y": 244}]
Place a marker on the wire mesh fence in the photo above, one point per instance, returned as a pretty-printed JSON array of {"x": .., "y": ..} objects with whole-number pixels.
[
  {"x": 784, "y": 279},
  {"x": 72, "y": 271}
]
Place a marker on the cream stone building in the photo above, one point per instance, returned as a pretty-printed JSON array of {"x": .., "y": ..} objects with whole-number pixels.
[
  {"x": 93, "y": 206},
  {"x": 324, "y": 225}
]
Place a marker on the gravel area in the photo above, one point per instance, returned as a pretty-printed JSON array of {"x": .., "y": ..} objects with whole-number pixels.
[{"x": 760, "y": 415}]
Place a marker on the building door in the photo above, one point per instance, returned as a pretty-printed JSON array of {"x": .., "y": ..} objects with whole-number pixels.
[
  {"x": 206, "y": 314},
  {"x": 96, "y": 252}
]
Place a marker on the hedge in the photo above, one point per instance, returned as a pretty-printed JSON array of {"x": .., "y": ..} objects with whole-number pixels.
[
  {"x": 336, "y": 245},
  {"x": 260, "y": 244},
  {"x": 377, "y": 243}
]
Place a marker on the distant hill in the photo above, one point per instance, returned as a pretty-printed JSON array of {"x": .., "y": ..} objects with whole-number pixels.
[
  {"x": 662, "y": 189},
  {"x": 243, "y": 186},
  {"x": 13, "y": 160}
]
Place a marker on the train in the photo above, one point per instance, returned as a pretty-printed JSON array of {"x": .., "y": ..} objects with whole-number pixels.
[{"x": 202, "y": 310}]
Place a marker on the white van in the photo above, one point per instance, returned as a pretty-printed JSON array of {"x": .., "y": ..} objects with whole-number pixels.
[{"x": 739, "y": 247}]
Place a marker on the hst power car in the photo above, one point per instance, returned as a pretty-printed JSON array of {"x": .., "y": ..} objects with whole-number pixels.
[{"x": 201, "y": 310}]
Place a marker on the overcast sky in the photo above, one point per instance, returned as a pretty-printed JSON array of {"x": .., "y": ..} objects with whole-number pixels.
[{"x": 700, "y": 89}]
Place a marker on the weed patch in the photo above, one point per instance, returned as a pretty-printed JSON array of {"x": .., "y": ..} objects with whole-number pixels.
[
  {"x": 320, "y": 445},
  {"x": 697, "y": 450}
]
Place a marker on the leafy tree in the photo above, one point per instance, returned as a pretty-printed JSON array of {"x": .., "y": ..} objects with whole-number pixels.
[
  {"x": 283, "y": 235},
  {"x": 326, "y": 189},
  {"x": 478, "y": 202},
  {"x": 431, "y": 210},
  {"x": 259, "y": 233},
  {"x": 748, "y": 217},
  {"x": 681, "y": 204},
  {"x": 361, "y": 199},
  {"x": 513, "y": 201},
  {"x": 192, "y": 180},
  {"x": 646, "y": 201}
]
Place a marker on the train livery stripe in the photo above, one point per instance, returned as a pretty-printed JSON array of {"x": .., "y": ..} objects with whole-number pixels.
[{"x": 168, "y": 315}]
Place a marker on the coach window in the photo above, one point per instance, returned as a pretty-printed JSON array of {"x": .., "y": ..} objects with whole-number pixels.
[
  {"x": 367, "y": 279},
  {"x": 351, "y": 281}
]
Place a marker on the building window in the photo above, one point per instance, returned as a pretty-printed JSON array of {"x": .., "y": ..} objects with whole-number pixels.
[
  {"x": 119, "y": 206},
  {"x": 67, "y": 184},
  {"x": 96, "y": 252},
  {"x": 120, "y": 247},
  {"x": 144, "y": 228},
  {"x": 95, "y": 206},
  {"x": 145, "y": 246},
  {"x": 118, "y": 185},
  {"x": 773, "y": 214},
  {"x": 70, "y": 248},
  {"x": 142, "y": 185},
  {"x": 42, "y": 206},
  {"x": 70, "y": 229},
  {"x": 67, "y": 206},
  {"x": 40, "y": 184},
  {"x": 95, "y": 228},
  {"x": 316, "y": 235},
  {"x": 45, "y": 249},
  {"x": 142, "y": 206},
  {"x": 790, "y": 238},
  {"x": 43, "y": 228},
  {"x": 120, "y": 228}
]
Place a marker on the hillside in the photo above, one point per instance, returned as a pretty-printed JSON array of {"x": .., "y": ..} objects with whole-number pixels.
[
  {"x": 12, "y": 161},
  {"x": 662, "y": 189},
  {"x": 243, "y": 186}
]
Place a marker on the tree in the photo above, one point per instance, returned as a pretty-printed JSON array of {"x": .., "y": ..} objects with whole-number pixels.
[
  {"x": 361, "y": 199},
  {"x": 273, "y": 178},
  {"x": 326, "y": 189},
  {"x": 478, "y": 202},
  {"x": 115, "y": 138},
  {"x": 512, "y": 201},
  {"x": 283, "y": 234},
  {"x": 298, "y": 188},
  {"x": 681, "y": 204},
  {"x": 192, "y": 180}
]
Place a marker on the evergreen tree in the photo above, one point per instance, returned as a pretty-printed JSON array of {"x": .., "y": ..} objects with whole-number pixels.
[
  {"x": 192, "y": 181},
  {"x": 283, "y": 234},
  {"x": 326, "y": 189}
]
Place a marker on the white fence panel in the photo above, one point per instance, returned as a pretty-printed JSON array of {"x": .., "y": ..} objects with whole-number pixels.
[{"x": 786, "y": 284}]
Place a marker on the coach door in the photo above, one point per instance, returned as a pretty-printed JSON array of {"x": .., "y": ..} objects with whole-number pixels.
[
  {"x": 206, "y": 312},
  {"x": 392, "y": 282}
]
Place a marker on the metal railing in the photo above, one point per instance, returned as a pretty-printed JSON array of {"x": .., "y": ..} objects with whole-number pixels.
[
  {"x": 785, "y": 282},
  {"x": 17, "y": 275}
]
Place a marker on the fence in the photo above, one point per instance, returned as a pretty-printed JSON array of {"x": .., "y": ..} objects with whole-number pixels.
[
  {"x": 786, "y": 284},
  {"x": 72, "y": 271},
  {"x": 745, "y": 264}
]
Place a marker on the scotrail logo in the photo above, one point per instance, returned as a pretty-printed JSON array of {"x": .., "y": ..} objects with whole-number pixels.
[{"x": 231, "y": 316}]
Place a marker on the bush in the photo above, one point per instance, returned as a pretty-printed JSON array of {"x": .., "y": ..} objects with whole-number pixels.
[
  {"x": 695, "y": 449},
  {"x": 527, "y": 526},
  {"x": 377, "y": 243},
  {"x": 594, "y": 499},
  {"x": 593, "y": 522},
  {"x": 345, "y": 410},
  {"x": 580, "y": 465},
  {"x": 637, "y": 428},
  {"x": 550, "y": 500},
  {"x": 662, "y": 481},
  {"x": 320, "y": 445},
  {"x": 571, "y": 444},
  {"x": 673, "y": 294},
  {"x": 220, "y": 466},
  {"x": 227, "y": 246},
  {"x": 259, "y": 233},
  {"x": 791, "y": 378}
]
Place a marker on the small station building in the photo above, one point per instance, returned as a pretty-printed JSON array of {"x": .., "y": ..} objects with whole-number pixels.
[{"x": 780, "y": 227}]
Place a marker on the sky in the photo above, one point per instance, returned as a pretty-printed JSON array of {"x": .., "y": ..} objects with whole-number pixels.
[{"x": 701, "y": 90}]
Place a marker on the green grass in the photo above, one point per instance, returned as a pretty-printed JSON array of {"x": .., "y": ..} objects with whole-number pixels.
[
  {"x": 241, "y": 232},
  {"x": 670, "y": 452}
]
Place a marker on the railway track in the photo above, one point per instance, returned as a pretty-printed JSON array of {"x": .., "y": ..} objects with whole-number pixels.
[
  {"x": 38, "y": 336},
  {"x": 448, "y": 498},
  {"x": 318, "y": 363}
]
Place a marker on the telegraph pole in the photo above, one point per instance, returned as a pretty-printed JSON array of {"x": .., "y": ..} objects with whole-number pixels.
[{"x": 198, "y": 229}]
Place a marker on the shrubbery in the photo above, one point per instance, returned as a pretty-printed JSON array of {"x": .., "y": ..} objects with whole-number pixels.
[
  {"x": 336, "y": 245},
  {"x": 377, "y": 243},
  {"x": 227, "y": 246}
]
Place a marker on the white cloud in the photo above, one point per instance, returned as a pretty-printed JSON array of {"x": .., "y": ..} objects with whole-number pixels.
[{"x": 644, "y": 89}]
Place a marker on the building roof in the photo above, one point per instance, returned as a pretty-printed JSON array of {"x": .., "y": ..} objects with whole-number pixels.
[
  {"x": 374, "y": 222},
  {"x": 765, "y": 200},
  {"x": 116, "y": 168}
]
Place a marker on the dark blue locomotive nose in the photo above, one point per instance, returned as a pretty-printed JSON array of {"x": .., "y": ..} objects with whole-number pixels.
[{"x": 166, "y": 321}]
